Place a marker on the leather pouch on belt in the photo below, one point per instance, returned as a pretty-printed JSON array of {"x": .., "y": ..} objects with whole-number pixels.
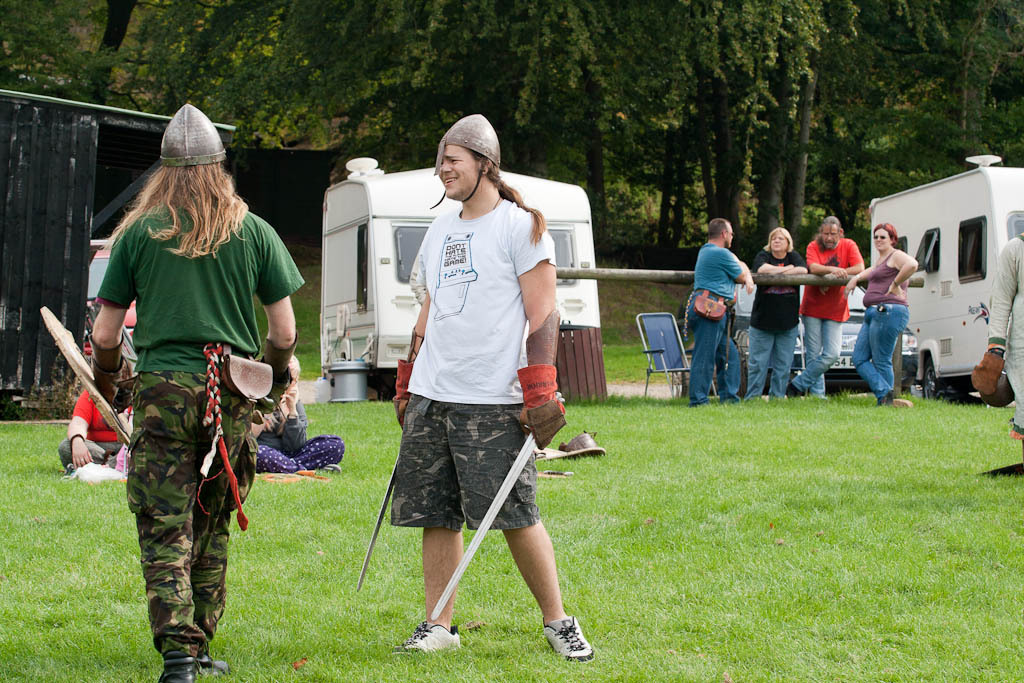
[{"x": 249, "y": 378}]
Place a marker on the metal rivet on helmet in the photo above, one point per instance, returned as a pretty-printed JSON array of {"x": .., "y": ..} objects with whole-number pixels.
[
  {"x": 191, "y": 140},
  {"x": 472, "y": 132}
]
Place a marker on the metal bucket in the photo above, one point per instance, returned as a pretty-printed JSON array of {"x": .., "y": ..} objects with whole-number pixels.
[{"x": 348, "y": 380}]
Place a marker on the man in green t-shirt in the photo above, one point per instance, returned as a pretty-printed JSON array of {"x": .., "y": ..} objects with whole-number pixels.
[{"x": 192, "y": 256}]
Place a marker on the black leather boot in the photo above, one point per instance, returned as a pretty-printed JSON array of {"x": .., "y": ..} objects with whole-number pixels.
[
  {"x": 208, "y": 666},
  {"x": 179, "y": 667}
]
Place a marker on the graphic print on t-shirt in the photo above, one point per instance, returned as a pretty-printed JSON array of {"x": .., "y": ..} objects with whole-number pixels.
[{"x": 454, "y": 275}]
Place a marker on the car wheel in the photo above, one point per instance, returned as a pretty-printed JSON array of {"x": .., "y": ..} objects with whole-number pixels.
[{"x": 930, "y": 381}]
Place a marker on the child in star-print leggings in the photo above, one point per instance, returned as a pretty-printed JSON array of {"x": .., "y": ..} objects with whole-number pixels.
[
  {"x": 315, "y": 454},
  {"x": 282, "y": 437}
]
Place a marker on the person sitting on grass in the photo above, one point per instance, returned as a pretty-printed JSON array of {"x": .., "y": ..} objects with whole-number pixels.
[
  {"x": 90, "y": 438},
  {"x": 282, "y": 437}
]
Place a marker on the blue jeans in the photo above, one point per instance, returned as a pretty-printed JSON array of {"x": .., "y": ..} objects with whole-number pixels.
[
  {"x": 770, "y": 349},
  {"x": 713, "y": 355},
  {"x": 872, "y": 356},
  {"x": 822, "y": 342}
]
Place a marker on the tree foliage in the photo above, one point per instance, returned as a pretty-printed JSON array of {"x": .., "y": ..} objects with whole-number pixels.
[{"x": 767, "y": 112}]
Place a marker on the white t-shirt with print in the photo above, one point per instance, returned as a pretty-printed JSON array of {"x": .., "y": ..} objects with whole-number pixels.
[{"x": 476, "y": 326}]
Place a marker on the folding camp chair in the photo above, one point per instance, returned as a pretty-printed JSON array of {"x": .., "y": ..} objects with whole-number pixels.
[{"x": 664, "y": 350}]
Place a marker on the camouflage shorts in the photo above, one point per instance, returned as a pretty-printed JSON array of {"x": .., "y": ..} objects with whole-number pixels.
[{"x": 453, "y": 459}]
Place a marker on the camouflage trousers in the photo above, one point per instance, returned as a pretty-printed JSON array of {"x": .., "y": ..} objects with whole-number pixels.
[
  {"x": 184, "y": 539},
  {"x": 452, "y": 461}
]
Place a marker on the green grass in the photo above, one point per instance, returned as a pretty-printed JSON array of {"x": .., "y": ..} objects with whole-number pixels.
[{"x": 798, "y": 540}]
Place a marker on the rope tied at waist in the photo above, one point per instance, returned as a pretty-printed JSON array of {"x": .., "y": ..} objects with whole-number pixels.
[{"x": 214, "y": 357}]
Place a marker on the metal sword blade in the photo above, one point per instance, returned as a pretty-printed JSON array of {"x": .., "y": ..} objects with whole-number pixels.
[
  {"x": 492, "y": 512},
  {"x": 376, "y": 528}
]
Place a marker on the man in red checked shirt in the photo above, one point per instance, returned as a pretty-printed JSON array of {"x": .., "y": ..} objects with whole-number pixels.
[
  {"x": 489, "y": 268},
  {"x": 89, "y": 438}
]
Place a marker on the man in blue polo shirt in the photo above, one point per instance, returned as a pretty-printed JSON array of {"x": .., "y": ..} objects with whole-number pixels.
[{"x": 716, "y": 272}]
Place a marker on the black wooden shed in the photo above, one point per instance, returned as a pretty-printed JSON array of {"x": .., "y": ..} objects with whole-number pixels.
[{"x": 58, "y": 161}]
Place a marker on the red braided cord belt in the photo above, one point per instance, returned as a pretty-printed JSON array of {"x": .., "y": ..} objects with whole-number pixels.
[{"x": 214, "y": 356}]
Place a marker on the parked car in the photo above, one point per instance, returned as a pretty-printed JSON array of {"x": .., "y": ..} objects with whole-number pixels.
[{"x": 842, "y": 374}]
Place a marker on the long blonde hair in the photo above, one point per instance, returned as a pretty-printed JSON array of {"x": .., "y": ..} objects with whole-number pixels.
[
  {"x": 540, "y": 225},
  {"x": 205, "y": 193}
]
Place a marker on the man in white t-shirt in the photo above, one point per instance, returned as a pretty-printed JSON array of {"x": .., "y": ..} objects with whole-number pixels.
[{"x": 490, "y": 276}]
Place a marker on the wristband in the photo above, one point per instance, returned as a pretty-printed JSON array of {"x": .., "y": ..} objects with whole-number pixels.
[{"x": 76, "y": 436}]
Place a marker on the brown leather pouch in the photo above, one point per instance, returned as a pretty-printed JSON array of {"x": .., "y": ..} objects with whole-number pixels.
[
  {"x": 249, "y": 378},
  {"x": 708, "y": 305}
]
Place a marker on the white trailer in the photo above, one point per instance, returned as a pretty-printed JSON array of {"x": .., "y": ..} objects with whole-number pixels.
[
  {"x": 372, "y": 228},
  {"x": 956, "y": 228}
]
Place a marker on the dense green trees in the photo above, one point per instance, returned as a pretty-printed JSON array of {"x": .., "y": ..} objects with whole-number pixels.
[{"x": 768, "y": 112}]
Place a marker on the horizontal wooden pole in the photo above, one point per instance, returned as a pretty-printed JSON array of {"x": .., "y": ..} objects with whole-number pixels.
[{"x": 685, "y": 277}]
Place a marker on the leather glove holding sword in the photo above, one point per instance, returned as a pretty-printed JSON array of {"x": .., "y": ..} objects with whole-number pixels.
[{"x": 543, "y": 412}]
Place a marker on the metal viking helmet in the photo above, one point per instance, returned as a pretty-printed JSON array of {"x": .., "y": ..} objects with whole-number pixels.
[
  {"x": 191, "y": 140},
  {"x": 472, "y": 132}
]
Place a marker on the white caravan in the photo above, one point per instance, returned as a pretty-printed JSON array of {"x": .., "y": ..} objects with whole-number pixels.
[
  {"x": 372, "y": 229},
  {"x": 955, "y": 227}
]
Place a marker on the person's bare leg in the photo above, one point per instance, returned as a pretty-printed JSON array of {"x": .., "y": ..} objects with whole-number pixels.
[
  {"x": 442, "y": 551},
  {"x": 535, "y": 556}
]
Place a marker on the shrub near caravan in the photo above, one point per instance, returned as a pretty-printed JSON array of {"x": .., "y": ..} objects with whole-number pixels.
[
  {"x": 372, "y": 228},
  {"x": 956, "y": 228}
]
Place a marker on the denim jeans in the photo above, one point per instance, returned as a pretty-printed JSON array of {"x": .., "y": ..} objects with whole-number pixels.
[
  {"x": 770, "y": 349},
  {"x": 713, "y": 355},
  {"x": 822, "y": 342},
  {"x": 872, "y": 356}
]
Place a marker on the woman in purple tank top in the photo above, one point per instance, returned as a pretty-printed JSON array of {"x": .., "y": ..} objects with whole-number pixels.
[{"x": 886, "y": 313}]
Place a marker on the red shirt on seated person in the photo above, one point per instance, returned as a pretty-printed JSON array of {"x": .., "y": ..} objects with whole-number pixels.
[{"x": 89, "y": 438}]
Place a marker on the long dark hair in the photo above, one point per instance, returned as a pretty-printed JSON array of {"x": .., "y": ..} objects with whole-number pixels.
[{"x": 540, "y": 225}]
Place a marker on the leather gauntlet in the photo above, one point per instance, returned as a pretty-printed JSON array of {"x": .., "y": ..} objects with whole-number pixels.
[
  {"x": 986, "y": 373},
  {"x": 107, "y": 365},
  {"x": 278, "y": 360},
  {"x": 402, "y": 394},
  {"x": 543, "y": 412}
]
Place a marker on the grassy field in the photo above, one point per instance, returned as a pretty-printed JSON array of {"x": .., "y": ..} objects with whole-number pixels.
[{"x": 799, "y": 540}]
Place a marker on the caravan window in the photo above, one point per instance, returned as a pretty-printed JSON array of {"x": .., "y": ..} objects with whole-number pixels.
[
  {"x": 971, "y": 250},
  {"x": 928, "y": 252},
  {"x": 408, "y": 239},
  {"x": 565, "y": 254},
  {"x": 1014, "y": 225},
  {"x": 361, "y": 264}
]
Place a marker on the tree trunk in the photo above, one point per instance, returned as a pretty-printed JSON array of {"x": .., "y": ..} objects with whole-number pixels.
[
  {"x": 595, "y": 159},
  {"x": 796, "y": 174},
  {"x": 728, "y": 162},
  {"x": 667, "y": 186},
  {"x": 119, "y": 14},
  {"x": 774, "y": 152},
  {"x": 705, "y": 146}
]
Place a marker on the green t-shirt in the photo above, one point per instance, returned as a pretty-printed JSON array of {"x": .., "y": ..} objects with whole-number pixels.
[{"x": 184, "y": 303}]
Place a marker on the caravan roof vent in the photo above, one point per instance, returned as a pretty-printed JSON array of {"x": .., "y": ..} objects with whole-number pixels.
[
  {"x": 984, "y": 160},
  {"x": 361, "y": 167}
]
